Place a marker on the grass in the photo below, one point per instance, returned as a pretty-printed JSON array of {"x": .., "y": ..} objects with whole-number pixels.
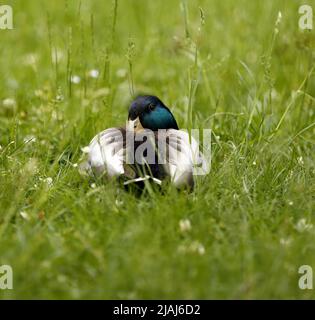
[{"x": 227, "y": 66}]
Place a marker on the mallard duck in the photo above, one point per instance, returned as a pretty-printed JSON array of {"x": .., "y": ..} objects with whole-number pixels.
[{"x": 149, "y": 147}]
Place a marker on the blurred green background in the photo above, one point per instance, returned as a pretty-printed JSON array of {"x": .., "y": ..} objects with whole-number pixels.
[{"x": 69, "y": 69}]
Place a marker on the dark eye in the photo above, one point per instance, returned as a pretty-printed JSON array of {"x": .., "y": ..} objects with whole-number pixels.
[{"x": 151, "y": 106}]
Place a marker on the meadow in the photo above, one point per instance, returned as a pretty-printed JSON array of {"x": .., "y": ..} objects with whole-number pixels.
[{"x": 244, "y": 69}]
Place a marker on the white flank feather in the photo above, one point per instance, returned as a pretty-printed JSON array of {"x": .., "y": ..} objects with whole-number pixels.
[
  {"x": 106, "y": 153},
  {"x": 183, "y": 157}
]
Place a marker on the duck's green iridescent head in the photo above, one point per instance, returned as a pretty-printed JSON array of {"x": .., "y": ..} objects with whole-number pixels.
[{"x": 149, "y": 112}]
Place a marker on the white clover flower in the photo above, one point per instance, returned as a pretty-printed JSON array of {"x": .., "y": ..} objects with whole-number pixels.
[
  {"x": 201, "y": 249},
  {"x": 197, "y": 247},
  {"x": 41, "y": 93},
  {"x": 49, "y": 181},
  {"x": 59, "y": 97},
  {"x": 279, "y": 18},
  {"x": 75, "y": 79},
  {"x": 94, "y": 73},
  {"x": 300, "y": 161},
  {"x": 24, "y": 215},
  {"x": 184, "y": 225},
  {"x": 85, "y": 149},
  {"x": 9, "y": 102},
  {"x": 302, "y": 225},
  {"x": 119, "y": 203}
]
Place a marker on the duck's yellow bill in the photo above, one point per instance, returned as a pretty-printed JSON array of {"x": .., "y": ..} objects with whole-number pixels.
[{"x": 135, "y": 125}]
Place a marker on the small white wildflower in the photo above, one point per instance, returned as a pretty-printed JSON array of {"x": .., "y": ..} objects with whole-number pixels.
[
  {"x": 43, "y": 142},
  {"x": 197, "y": 247},
  {"x": 9, "y": 102},
  {"x": 59, "y": 97},
  {"x": 201, "y": 249},
  {"x": 285, "y": 242},
  {"x": 290, "y": 203},
  {"x": 49, "y": 181},
  {"x": 75, "y": 165},
  {"x": 75, "y": 79},
  {"x": 302, "y": 225},
  {"x": 24, "y": 215},
  {"x": 279, "y": 18},
  {"x": 93, "y": 185},
  {"x": 94, "y": 73},
  {"x": 119, "y": 203},
  {"x": 300, "y": 160},
  {"x": 121, "y": 73},
  {"x": 39, "y": 93},
  {"x": 85, "y": 149},
  {"x": 254, "y": 163},
  {"x": 184, "y": 225}
]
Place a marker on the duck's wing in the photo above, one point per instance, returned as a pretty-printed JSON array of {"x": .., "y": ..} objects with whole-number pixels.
[
  {"x": 105, "y": 153},
  {"x": 183, "y": 158}
]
